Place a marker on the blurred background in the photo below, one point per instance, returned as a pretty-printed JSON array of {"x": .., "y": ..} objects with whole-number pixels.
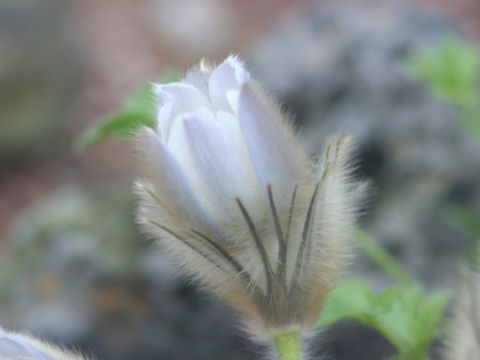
[{"x": 73, "y": 267}]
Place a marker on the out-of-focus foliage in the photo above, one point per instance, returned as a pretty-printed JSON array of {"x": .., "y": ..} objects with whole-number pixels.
[
  {"x": 376, "y": 253},
  {"x": 406, "y": 316},
  {"x": 138, "y": 110},
  {"x": 452, "y": 70},
  {"x": 464, "y": 219}
]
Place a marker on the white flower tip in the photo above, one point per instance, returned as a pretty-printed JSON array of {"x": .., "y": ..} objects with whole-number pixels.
[
  {"x": 157, "y": 89},
  {"x": 234, "y": 61},
  {"x": 239, "y": 67}
]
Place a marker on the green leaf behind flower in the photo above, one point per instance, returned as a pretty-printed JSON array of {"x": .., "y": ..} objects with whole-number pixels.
[
  {"x": 138, "y": 110},
  {"x": 452, "y": 70}
]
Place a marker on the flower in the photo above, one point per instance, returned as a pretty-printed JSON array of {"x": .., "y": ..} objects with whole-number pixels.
[
  {"x": 231, "y": 195},
  {"x": 19, "y": 346}
]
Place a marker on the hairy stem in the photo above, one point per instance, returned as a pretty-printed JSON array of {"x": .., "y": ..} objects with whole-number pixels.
[{"x": 289, "y": 345}]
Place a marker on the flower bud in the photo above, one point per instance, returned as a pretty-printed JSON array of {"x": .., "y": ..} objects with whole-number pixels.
[{"x": 229, "y": 192}]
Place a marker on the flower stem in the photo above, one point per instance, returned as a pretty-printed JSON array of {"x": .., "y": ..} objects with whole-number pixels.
[
  {"x": 289, "y": 345},
  {"x": 382, "y": 258}
]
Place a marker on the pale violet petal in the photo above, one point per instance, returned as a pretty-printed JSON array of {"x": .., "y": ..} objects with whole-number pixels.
[
  {"x": 179, "y": 145},
  {"x": 267, "y": 143},
  {"x": 175, "y": 99},
  {"x": 164, "y": 115},
  {"x": 241, "y": 75},
  {"x": 223, "y": 165},
  {"x": 199, "y": 79},
  {"x": 229, "y": 75},
  {"x": 171, "y": 184},
  {"x": 232, "y": 98}
]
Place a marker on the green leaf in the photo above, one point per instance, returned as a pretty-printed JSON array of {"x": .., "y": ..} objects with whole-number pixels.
[
  {"x": 352, "y": 299},
  {"x": 406, "y": 316},
  {"x": 431, "y": 311},
  {"x": 451, "y": 68},
  {"x": 141, "y": 101},
  {"x": 120, "y": 126},
  {"x": 409, "y": 318},
  {"x": 138, "y": 110},
  {"x": 392, "y": 308}
]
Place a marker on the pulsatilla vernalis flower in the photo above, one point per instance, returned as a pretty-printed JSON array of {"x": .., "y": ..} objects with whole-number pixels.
[{"x": 232, "y": 196}]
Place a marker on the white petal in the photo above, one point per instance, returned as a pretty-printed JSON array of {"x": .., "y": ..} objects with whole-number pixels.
[
  {"x": 240, "y": 73},
  {"x": 179, "y": 146},
  {"x": 232, "y": 98},
  {"x": 164, "y": 115},
  {"x": 199, "y": 79},
  {"x": 267, "y": 143},
  {"x": 229, "y": 75},
  {"x": 171, "y": 185},
  {"x": 222, "y": 163},
  {"x": 175, "y": 99}
]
